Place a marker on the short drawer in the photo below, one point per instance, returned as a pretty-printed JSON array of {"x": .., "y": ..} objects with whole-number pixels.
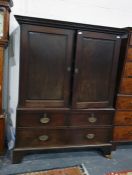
[
  {"x": 123, "y": 118},
  {"x": 124, "y": 102},
  {"x": 123, "y": 133},
  {"x": 128, "y": 70},
  {"x": 129, "y": 54},
  {"x": 126, "y": 86},
  {"x": 36, "y": 137},
  {"x": 92, "y": 118},
  {"x": 90, "y": 136},
  {"x": 36, "y": 119},
  {"x": 49, "y": 138}
]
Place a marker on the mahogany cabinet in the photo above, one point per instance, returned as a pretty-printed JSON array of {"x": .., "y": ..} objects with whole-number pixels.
[{"x": 68, "y": 78}]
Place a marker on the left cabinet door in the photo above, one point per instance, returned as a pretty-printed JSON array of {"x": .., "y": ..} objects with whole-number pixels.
[{"x": 45, "y": 72}]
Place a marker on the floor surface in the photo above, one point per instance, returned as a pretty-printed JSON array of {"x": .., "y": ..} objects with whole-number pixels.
[{"x": 94, "y": 162}]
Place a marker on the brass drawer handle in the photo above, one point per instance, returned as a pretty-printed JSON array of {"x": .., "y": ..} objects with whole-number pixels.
[
  {"x": 90, "y": 136},
  {"x": 43, "y": 138},
  {"x": 92, "y": 119},
  {"x": 45, "y": 119}
]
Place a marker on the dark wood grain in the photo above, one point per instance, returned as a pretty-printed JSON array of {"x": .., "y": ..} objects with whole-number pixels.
[
  {"x": 61, "y": 118},
  {"x": 30, "y": 137},
  {"x": 79, "y": 136},
  {"x": 60, "y": 137},
  {"x": 45, "y": 66},
  {"x": 91, "y": 118},
  {"x": 34, "y": 119},
  {"x": 67, "y": 86},
  {"x": 96, "y": 64}
]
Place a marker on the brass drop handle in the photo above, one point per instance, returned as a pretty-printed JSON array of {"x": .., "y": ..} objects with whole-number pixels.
[
  {"x": 43, "y": 137},
  {"x": 92, "y": 119},
  {"x": 90, "y": 136},
  {"x": 45, "y": 119}
]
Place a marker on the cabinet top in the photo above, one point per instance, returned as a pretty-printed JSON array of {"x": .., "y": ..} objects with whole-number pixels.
[{"x": 68, "y": 25}]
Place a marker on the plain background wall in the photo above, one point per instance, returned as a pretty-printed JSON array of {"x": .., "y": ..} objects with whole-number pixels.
[{"x": 114, "y": 13}]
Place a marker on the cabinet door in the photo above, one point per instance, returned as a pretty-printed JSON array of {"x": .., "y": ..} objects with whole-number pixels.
[
  {"x": 95, "y": 69},
  {"x": 46, "y": 56}
]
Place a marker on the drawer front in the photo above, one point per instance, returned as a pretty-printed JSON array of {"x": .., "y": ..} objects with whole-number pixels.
[
  {"x": 34, "y": 119},
  {"x": 123, "y": 133},
  {"x": 126, "y": 86},
  {"x": 92, "y": 118},
  {"x": 90, "y": 136},
  {"x": 123, "y": 118},
  {"x": 128, "y": 70},
  {"x": 29, "y": 137},
  {"x": 47, "y": 138},
  {"x": 124, "y": 102},
  {"x": 129, "y": 54}
]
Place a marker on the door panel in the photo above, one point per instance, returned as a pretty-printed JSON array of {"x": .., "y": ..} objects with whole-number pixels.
[
  {"x": 46, "y": 60},
  {"x": 95, "y": 69}
]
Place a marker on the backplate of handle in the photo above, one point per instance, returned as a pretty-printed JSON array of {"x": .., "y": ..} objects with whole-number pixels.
[
  {"x": 45, "y": 119},
  {"x": 43, "y": 137}
]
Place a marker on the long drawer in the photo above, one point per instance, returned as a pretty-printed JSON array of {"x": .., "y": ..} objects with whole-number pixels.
[
  {"x": 123, "y": 118},
  {"x": 124, "y": 102},
  {"x": 29, "y": 137},
  {"x": 54, "y": 119},
  {"x": 123, "y": 133}
]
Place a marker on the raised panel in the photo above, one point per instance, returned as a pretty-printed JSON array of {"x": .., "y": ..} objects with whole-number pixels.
[
  {"x": 47, "y": 66},
  {"x": 45, "y": 56},
  {"x": 96, "y": 62}
]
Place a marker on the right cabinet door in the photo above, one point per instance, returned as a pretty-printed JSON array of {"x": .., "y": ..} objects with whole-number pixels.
[{"x": 95, "y": 69}]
